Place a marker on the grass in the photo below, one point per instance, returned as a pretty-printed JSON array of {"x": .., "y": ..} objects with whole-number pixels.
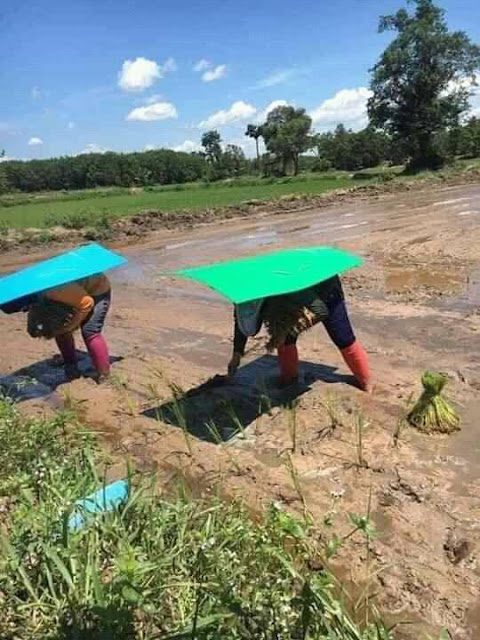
[
  {"x": 97, "y": 207},
  {"x": 155, "y": 568}
]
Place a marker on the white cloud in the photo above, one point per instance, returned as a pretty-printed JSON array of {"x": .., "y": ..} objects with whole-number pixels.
[
  {"x": 149, "y": 147},
  {"x": 215, "y": 74},
  {"x": 138, "y": 74},
  {"x": 238, "y": 112},
  {"x": 262, "y": 115},
  {"x": 7, "y": 158},
  {"x": 472, "y": 84},
  {"x": 348, "y": 106},
  {"x": 71, "y": 125},
  {"x": 475, "y": 104},
  {"x": 93, "y": 148},
  {"x": 36, "y": 93},
  {"x": 141, "y": 73},
  {"x": 188, "y": 146},
  {"x": 33, "y": 142},
  {"x": 274, "y": 78},
  {"x": 155, "y": 111},
  {"x": 202, "y": 65}
]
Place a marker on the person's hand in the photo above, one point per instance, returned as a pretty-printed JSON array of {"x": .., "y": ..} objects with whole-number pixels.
[{"x": 234, "y": 364}]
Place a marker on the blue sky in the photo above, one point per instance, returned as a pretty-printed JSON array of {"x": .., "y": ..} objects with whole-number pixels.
[{"x": 128, "y": 75}]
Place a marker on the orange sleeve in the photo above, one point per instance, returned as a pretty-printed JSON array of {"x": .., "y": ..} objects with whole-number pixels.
[{"x": 75, "y": 296}]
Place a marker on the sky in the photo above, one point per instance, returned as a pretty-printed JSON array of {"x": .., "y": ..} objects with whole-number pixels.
[{"x": 128, "y": 75}]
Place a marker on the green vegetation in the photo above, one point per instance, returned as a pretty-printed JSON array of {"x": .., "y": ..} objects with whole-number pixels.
[
  {"x": 433, "y": 412},
  {"x": 90, "y": 208},
  {"x": 422, "y": 82},
  {"x": 155, "y": 568},
  {"x": 421, "y": 88}
]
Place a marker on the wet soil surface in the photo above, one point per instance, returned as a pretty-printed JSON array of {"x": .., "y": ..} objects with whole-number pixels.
[{"x": 415, "y": 305}]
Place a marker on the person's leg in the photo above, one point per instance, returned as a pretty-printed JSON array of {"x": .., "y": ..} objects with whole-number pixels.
[
  {"x": 341, "y": 333},
  {"x": 66, "y": 346},
  {"x": 288, "y": 361},
  {"x": 98, "y": 350},
  {"x": 94, "y": 341}
]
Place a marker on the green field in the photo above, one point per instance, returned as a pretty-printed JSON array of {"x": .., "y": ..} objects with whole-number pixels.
[{"x": 86, "y": 208}]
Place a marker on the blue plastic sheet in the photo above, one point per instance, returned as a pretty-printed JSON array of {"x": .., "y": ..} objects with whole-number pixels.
[
  {"x": 67, "y": 267},
  {"x": 108, "y": 498}
]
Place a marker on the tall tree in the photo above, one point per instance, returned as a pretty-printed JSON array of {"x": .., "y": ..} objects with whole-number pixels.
[
  {"x": 418, "y": 85},
  {"x": 287, "y": 134},
  {"x": 211, "y": 142},
  {"x": 233, "y": 160},
  {"x": 254, "y": 132}
]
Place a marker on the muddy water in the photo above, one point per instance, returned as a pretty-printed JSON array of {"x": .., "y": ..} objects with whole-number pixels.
[{"x": 347, "y": 226}]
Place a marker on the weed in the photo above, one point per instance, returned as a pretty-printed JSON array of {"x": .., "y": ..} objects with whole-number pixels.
[
  {"x": 118, "y": 381},
  {"x": 332, "y": 408},
  {"x": 236, "y": 421},
  {"x": 297, "y": 484},
  {"x": 360, "y": 425},
  {"x": 292, "y": 421},
  {"x": 150, "y": 569},
  {"x": 217, "y": 438},
  {"x": 179, "y": 414},
  {"x": 402, "y": 420}
]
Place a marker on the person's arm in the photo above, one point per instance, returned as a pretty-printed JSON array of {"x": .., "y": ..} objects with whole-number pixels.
[
  {"x": 239, "y": 344},
  {"x": 75, "y": 296}
]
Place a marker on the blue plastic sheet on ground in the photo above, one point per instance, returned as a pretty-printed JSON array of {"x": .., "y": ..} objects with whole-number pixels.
[
  {"x": 108, "y": 498},
  {"x": 67, "y": 267}
]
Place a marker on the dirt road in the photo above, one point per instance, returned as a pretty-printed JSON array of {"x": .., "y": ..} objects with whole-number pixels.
[{"x": 415, "y": 305}]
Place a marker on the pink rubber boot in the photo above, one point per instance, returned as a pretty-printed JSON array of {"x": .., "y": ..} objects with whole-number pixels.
[{"x": 98, "y": 350}]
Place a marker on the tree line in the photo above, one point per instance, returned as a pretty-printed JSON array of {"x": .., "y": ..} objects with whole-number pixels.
[{"x": 421, "y": 87}]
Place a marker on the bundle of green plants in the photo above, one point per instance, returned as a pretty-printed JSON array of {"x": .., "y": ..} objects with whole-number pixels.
[
  {"x": 433, "y": 412},
  {"x": 282, "y": 317}
]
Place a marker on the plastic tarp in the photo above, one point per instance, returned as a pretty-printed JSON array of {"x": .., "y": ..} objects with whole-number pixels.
[
  {"x": 65, "y": 268},
  {"x": 106, "y": 499},
  {"x": 272, "y": 273}
]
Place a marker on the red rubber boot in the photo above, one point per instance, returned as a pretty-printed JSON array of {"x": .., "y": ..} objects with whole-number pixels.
[
  {"x": 356, "y": 359},
  {"x": 288, "y": 363}
]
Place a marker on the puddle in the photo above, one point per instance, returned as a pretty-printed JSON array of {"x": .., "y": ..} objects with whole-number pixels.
[{"x": 398, "y": 280}]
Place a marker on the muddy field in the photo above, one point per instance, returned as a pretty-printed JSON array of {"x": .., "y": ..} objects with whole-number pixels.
[{"x": 415, "y": 305}]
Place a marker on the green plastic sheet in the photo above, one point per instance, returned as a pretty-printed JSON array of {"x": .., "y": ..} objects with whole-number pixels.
[{"x": 272, "y": 273}]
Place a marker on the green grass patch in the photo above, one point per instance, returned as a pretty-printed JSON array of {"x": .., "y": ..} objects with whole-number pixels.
[
  {"x": 86, "y": 208},
  {"x": 153, "y": 569}
]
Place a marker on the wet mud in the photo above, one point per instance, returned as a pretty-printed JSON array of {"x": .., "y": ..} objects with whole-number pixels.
[{"x": 414, "y": 305}]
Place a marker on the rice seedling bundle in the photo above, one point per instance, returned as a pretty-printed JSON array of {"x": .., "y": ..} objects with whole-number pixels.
[{"x": 433, "y": 412}]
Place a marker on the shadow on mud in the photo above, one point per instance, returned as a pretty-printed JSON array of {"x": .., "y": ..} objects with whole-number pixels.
[
  {"x": 41, "y": 379},
  {"x": 220, "y": 409}
]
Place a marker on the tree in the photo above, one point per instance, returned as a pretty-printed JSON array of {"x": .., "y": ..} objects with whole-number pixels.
[
  {"x": 254, "y": 132},
  {"x": 233, "y": 160},
  {"x": 287, "y": 134},
  {"x": 418, "y": 85},
  {"x": 211, "y": 142}
]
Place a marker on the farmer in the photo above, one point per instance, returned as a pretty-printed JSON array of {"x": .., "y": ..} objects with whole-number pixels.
[
  {"x": 81, "y": 304},
  {"x": 324, "y": 302}
]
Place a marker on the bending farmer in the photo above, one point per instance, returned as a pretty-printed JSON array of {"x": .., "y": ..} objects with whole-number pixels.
[
  {"x": 286, "y": 316},
  {"x": 57, "y": 313}
]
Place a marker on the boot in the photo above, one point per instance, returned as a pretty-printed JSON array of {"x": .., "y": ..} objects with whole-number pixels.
[
  {"x": 356, "y": 359},
  {"x": 288, "y": 363},
  {"x": 98, "y": 350}
]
